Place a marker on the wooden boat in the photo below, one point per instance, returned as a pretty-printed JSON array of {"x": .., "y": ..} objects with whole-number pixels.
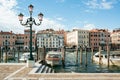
[
  {"x": 26, "y": 56},
  {"x": 54, "y": 58},
  {"x": 113, "y": 60},
  {"x": 8, "y": 56}
]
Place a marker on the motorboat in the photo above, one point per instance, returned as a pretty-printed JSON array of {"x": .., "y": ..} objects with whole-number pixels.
[
  {"x": 54, "y": 58},
  {"x": 114, "y": 58},
  {"x": 8, "y": 56},
  {"x": 26, "y": 56}
]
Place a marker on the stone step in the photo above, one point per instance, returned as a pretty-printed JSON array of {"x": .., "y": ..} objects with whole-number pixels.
[
  {"x": 49, "y": 71},
  {"x": 39, "y": 68},
  {"x": 44, "y": 69}
]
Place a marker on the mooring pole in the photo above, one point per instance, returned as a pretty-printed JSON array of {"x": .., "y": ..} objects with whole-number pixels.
[
  {"x": 0, "y": 54},
  {"x": 99, "y": 54},
  {"x": 76, "y": 55},
  {"x": 108, "y": 56},
  {"x": 14, "y": 53},
  {"x": 63, "y": 56},
  {"x": 37, "y": 53},
  {"x": 86, "y": 56},
  {"x": 5, "y": 55},
  {"x": 80, "y": 54},
  {"x": 18, "y": 56},
  {"x": 92, "y": 54},
  {"x": 44, "y": 52}
]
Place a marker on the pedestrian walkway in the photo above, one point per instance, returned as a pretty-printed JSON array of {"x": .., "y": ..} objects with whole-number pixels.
[{"x": 21, "y": 72}]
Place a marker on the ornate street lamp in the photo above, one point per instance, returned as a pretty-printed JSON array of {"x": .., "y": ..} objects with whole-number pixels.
[{"x": 30, "y": 21}]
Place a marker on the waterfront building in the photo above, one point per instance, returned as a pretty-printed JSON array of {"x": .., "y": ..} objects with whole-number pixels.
[
  {"x": 78, "y": 37},
  {"x": 17, "y": 41},
  {"x": 7, "y": 40},
  {"x": 27, "y": 39},
  {"x": 115, "y": 38},
  {"x": 22, "y": 41},
  {"x": 99, "y": 36},
  {"x": 50, "y": 39}
]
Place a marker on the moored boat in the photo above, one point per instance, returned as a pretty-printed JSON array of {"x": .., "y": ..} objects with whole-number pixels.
[
  {"x": 54, "y": 58},
  {"x": 26, "y": 56},
  {"x": 8, "y": 56},
  {"x": 114, "y": 59}
]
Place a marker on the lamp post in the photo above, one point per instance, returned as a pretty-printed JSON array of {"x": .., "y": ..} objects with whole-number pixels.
[{"x": 30, "y": 21}]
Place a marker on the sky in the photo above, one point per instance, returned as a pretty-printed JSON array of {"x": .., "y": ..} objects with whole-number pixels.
[{"x": 61, "y": 14}]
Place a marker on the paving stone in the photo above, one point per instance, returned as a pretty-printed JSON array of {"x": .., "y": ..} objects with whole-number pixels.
[{"x": 23, "y": 74}]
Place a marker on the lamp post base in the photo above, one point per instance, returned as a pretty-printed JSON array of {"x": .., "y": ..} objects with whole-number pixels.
[{"x": 30, "y": 63}]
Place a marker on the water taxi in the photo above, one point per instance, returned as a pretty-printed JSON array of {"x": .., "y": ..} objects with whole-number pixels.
[
  {"x": 26, "y": 56},
  {"x": 114, "y": 58},
  {"x": 8, "y": 56},
  {"x": 54, "y": 58}
]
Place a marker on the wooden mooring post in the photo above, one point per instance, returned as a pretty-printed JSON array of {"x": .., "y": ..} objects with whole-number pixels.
[
  {"x": 44, "y": 52},
  {"x": 63, "y": 56},
  {"x": 0, "y": 54},
  {"x": 81, "y": 54},
  {"x": 18, "y": 56},
  {"x": 37, "y": 53},
  {"x": 76, "y": 55},
  {"x": 108, "y": 56},
  {"x": 6, "y": 58},
  {"x": 14, "y": 53},
  {"x": 86, "y": 56},
  {"x": 99, "y": 54},
  {"x": 92, "y": 54}
]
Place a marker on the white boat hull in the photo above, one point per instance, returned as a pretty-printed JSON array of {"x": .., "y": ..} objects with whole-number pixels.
[
  {"x": 113, "y": 61},
  {"x": 25, "y": 57},
  {"x": 54, "y": 58},
  {"x": 53, "y": 63}
]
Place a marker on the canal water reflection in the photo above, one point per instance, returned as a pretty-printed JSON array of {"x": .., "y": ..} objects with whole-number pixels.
[{"x": 71, "y": 66}]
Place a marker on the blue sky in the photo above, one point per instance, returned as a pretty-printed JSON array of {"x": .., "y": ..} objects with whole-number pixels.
[{"x": 62, "y": 14}]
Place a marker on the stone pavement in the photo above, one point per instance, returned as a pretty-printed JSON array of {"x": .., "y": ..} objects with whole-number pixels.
[
  {"x": 21, "y": 72},
  {"x": 8, "y": 68}
]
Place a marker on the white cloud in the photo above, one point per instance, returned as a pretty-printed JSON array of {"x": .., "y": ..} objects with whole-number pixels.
[
  {"x": 89, "y": 11},
  {"x": 87, "y": 26},
  {"x": 61, "y": 1},
  {"x": 9, "y": 19},
  {"x": 101, "y": 4},
  {"x": 49, "y": 23},
  {"x": 59, "y": 19}
]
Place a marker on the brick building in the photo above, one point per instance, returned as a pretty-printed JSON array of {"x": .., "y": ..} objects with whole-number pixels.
[
  {"x": 7, "y": 40},
  {"x": 99, "y": 36},
  {"x": 17, "y": 41}
]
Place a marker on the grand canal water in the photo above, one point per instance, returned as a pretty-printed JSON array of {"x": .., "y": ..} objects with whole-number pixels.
[
  {"x": 91, "y": 67},
  {"x": 71, "y": 67}
]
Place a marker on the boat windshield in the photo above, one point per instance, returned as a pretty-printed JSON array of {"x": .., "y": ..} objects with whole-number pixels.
[{"x": 53, "y": 56}]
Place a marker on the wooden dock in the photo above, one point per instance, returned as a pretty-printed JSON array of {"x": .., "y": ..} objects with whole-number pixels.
[{"x": 21, "y": 72}]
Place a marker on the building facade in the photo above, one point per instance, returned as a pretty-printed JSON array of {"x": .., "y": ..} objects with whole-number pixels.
[
  {"x": 7, "y": 40},
  {"x": 27, "y": 39},
  {"x": 50, "y": 39},
  {"x": 99, "y": 37},
  {"x": 78, "y": 37},
  {"x": 17, "y": 41},
  {"x": 115, "y": 39}
]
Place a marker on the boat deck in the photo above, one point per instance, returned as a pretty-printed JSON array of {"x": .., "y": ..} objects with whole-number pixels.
[{"x": 18, "y": 71}]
